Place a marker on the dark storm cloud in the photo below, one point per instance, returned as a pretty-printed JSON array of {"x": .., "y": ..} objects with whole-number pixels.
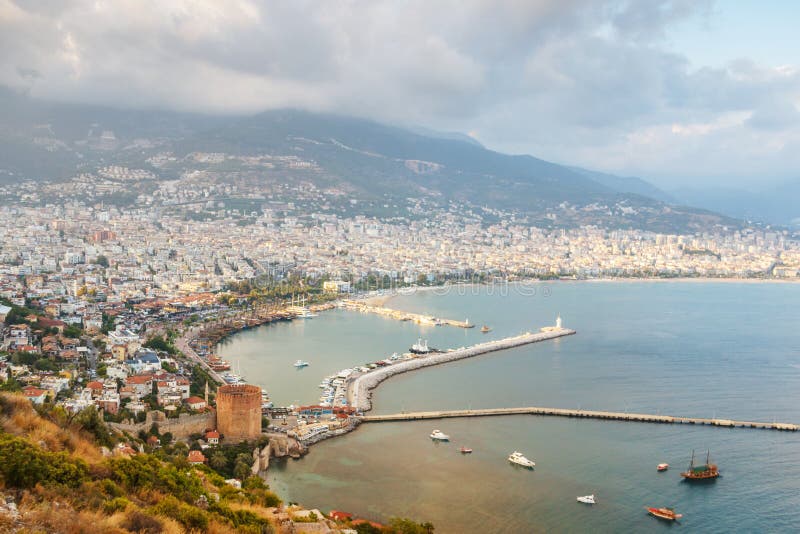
[{"x": 580, "y": 81}]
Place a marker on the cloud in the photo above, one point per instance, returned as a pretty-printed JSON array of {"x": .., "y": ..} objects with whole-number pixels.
[{"x": 589, "y": 82}]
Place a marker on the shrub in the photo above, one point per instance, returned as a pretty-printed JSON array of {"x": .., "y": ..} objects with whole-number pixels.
[
  {"x": 243, "y": 520},
  {"x": 146, "y": 472},
  {"x": 23, "y": 465},
  {"x": 188, "y": 516},
  {"x": 136, "y": 521},
  {"x": 118, "y": 504}
]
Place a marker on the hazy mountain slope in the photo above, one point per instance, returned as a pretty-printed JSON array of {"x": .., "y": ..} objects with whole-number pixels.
[
  {"x": 365, "y": 159},
  {"x": 779, "y": 204},
  {"x": 627, "y": 184}
]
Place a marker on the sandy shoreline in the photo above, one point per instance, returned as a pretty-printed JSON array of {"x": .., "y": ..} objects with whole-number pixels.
[{"x": 381, "y": 298}]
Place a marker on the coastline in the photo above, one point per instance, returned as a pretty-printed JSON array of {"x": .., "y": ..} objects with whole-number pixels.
[{"x": 383, "y": 296}]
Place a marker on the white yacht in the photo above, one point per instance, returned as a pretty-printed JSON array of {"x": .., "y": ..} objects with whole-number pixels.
[
  {"x": 300, "y": 363},
  {"x": 587, "y": 499},
  {"x": 517, "y": 458},
  {"x": 420, "y": 347},
  {"x": 438, "y": 435}
]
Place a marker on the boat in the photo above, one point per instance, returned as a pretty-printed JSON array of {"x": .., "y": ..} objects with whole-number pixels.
[
  {"x": 664, "y": 513},
  {"x": 300, "y": 363},
  {"x": 706, "y": 471},
  {"x": 218, "y": 364},
  {"x": 485, "y": 329},
  {"x": 662, "y": 467},
  {"x": 587, "y": 499},
  {"x": 420, "y": 347},
  {"x": 465, "y": 450},
  {"x": 517, "y": 457},
  {"x": 438, "y": 435}
]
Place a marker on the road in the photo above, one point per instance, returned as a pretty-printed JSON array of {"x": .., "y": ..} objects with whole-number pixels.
[{"x": 182, "y": 344}]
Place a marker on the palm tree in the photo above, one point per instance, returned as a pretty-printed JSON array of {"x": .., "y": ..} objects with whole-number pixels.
[{"x": 218, "y": 460}]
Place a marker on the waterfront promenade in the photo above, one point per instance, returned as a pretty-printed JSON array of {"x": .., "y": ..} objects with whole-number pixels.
[
  {"x": 591, "y": 414},
  {"x": 359, "y": 390},
  {"x": 183, "y": 344}
]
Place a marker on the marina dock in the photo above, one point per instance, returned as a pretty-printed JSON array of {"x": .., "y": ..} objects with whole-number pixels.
[
  {"x": 590, "y": 414},
  {"x": 418, "y": 318},
  {"x": 359, "y": 389}
]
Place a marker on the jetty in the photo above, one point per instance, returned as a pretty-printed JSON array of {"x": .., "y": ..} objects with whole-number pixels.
[
  {"x": 359, "y": 389},
  {"x": 589, "y": 414},
  {"x": 363, "y": 307}
]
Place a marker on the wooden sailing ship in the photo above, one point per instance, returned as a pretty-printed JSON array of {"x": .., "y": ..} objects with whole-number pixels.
[{"x": 706, "y": 471}]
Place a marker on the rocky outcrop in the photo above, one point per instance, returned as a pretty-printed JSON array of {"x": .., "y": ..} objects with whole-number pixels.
[{"x": 261, "y": 459}]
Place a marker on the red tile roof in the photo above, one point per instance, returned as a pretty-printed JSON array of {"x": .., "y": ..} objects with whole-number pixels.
[{"x": 196, "y": 457}]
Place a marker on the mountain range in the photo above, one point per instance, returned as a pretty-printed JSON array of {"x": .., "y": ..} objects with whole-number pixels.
[
  {"x": 55, "y": 141},
  {"x": 777, "y": 204}
]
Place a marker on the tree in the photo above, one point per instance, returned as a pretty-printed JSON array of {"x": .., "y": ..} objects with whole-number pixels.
[
  {"x": 241, "y": 470},
  {"x": 159, "y": 343},
  {"x": 218, "y": 461},
  {"x": 102, "y": 261},
  {"x": 407, "y": 526},
  {"x": 10, "y": 385},
  {"x": 73, "y": 332},
  {"x": 90, "y": 421}
]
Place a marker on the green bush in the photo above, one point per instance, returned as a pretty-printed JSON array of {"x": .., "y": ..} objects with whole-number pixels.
[
  {"x": 23, "y": 465},
  {"x": 149, "y": 473},
  {"x": 188, "y": 516},
  {"x": 115, "y": 505},
  {"x": 243, "y": 520}
]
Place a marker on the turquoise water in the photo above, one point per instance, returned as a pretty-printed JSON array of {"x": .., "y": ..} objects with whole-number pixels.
[{"x": 727, "y": 350}]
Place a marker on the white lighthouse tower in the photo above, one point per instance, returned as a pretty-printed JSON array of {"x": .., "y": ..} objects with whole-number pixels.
[{"x": 558, "y": 322}]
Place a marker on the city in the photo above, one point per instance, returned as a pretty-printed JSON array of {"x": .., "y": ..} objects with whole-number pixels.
[{"x": 372, "y": 267}]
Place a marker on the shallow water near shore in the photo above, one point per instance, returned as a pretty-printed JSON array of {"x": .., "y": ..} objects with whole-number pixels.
[{"x": 722, "y": 350}]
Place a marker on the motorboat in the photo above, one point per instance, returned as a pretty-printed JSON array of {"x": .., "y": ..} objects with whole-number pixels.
[
  {"x": 664, "y": 513},
  {"x": 518, "y": 458},
  {"x": 662, "y": 467},
  {"x": 587, "y": 499},
  {"x": 300, "y": 363},
  {"x": 438, "y": 435},
  {"x": 465, "y": 450}
]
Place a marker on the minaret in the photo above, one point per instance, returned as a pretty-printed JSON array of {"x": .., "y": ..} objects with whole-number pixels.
[
  {"x": 206, "y": 392},
  {"x": 558, "y": 321}
]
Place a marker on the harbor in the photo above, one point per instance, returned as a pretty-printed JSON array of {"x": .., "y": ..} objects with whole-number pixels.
[
  {"x": 430, "y": 320},
  {"x": 359, "y": 390},
  {"x": 640, "y": 349},
  {"x": 591, "y": 414}
]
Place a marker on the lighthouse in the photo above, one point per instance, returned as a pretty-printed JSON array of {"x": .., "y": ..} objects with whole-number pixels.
[{"x": 558, "y": 321}]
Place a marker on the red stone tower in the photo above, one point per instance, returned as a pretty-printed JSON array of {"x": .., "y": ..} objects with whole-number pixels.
[{"x": 239, "y": 412}]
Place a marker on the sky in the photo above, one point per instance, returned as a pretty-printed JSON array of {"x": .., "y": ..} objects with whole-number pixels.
[{"x": 680, "y": 92}]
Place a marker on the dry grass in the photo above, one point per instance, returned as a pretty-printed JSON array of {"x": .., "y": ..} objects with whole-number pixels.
[
  {"x": 61, "y": 518},
  {"x": 256, "y": 509},
  {"x": 20, "y": 419}
]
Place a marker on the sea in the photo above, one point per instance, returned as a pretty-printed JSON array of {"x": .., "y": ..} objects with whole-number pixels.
[{"x": 689, "y": 348}]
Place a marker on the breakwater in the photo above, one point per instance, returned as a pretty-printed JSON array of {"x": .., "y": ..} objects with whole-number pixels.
[
  {"x": 591, "y": 414},
  {"x": 359, "y": 389},
  {"x": 418, "y": 318}
]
